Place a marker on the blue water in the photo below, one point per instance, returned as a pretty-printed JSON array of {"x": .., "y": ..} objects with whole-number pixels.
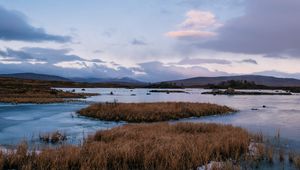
[{"x": 27, "y": 121}]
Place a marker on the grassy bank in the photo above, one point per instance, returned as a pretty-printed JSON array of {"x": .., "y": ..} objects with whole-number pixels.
[
  {"x": 151, "y": 112},
  {"x": 30, "y": 91},
  {"x": 143, "y": 146}
]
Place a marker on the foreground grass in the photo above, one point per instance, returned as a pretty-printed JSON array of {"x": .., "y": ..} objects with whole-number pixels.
[
  {"x": 151, "y": 112},
  {"x": 140, "y": 146}
]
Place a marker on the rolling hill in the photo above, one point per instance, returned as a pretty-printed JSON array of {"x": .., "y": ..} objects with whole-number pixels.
[
  {"x": 34, "y": 76},
  {"x": 259, "y": 80}
]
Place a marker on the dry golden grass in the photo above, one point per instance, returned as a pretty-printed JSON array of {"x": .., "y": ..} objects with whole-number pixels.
[
  {"x": 141, "y": 146},
  {"x": 31, "y": 100},
  {"x": 34, "y": 91},
  {"x": 151, "y": 112}
]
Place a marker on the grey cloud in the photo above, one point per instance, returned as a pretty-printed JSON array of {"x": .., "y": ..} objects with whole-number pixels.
[
  {"x": 40, "y": 54},
  {"x": 97, "y": 61},
  {"x": 93, "y": 71},
  {"x": 98, "y": 51},
  {"x": 196, "y": 61},
  {"x": 157, "y": 71},
  {"x": 14, "y": 54},
  {"x": 49, "y": 55},
  {"x": 138, "y": 42},
  {"x": 153, "y": 71},
  {"x": 251, "y": 61},
  {"x": 218, "y": 3},
  {"x": 269, "y": 27},
  {"x": 276, "y": 73},
  {"x": 14, "y": 26}
]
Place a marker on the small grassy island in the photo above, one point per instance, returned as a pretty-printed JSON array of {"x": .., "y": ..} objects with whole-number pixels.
[{"x": 151, "y": 112}]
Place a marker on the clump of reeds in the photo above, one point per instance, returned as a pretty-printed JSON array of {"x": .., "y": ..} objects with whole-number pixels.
[
  {"x": 1, "y": 160},
  {"x": 54, "y": 137},
  {"x": 281, "y": 154},
  {"x": 270, "y": 154},
  {"x": 297, "y": 161},
  {"x": 291, "y": 156},
  {"x": 152, "y": 112},
  {"x": 142, "y": 146}
]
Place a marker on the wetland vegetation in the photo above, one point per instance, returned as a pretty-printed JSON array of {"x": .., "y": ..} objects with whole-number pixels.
[
  {"x": 33, "y": 91},
  {"x": 152, "y": 112}
]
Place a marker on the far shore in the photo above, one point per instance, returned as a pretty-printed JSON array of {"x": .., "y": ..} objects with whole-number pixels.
[
  {"x": 226, "y": 92},
  {"x": 29, "y": 91}
]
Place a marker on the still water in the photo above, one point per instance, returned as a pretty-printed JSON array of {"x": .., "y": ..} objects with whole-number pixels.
[{"x": 27, "y": 121}]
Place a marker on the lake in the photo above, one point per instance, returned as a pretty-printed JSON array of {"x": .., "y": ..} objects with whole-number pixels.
[{"x": 27, "y": 121}]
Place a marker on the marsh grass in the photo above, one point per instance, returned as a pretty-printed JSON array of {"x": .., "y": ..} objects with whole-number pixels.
[
  {"x": 140, "y": 146},
  {"x": 152, "y": 112},
  {"x": 154, "y": 146},
  {"x": 30, "y": 91}
]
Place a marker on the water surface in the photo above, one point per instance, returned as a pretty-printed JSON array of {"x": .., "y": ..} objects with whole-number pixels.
[{"x": 282, "y": 113}]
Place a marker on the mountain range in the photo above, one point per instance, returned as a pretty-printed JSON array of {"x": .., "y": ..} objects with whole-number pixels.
[
  {"x": 46, "y": 77},
  {"x": 191, "y": 82}
]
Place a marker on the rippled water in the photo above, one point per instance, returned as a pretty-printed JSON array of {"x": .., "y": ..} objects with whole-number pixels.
[{"x": 282, "y": 113}]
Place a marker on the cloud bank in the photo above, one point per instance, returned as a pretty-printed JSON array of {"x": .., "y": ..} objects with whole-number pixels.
[
  {"x": 61, "y": 62},
  {"x": 268, "y": 27},
  {"x": 14, "y": 26}
]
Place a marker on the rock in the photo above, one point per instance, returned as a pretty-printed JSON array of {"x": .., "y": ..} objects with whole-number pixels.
[{"x": 212, "y": 165}]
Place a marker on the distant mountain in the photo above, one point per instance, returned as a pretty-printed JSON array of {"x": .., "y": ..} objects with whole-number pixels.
[
  {"x": 46, "y": 77},
  {"x": 107, "y": 80},
  {"x": 34, "y": 76},
  {"x": 259, "y": 80}
]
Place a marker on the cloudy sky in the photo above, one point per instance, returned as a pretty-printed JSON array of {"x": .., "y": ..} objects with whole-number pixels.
[{"x": 150, "y": 40}]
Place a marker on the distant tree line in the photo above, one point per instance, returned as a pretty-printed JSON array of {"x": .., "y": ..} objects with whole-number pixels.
[
  {"x": 163, "y": 85},
  {"x": 236, "y": 84}
]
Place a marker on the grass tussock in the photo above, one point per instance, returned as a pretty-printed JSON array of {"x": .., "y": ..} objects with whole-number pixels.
[
  {"x": 141, "y": 146},
  {"x": 151, "y": 112}
]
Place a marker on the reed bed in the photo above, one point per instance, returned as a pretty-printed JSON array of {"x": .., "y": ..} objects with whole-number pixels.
[
  {"x": 152, "y": 112},
  {"x": 140, "y": 146}
]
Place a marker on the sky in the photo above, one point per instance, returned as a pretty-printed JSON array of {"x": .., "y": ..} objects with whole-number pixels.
[{"x": 150, "y": 40}]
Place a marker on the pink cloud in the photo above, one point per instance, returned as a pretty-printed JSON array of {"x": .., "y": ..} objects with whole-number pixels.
[
  {"x": 190, "y": 34},
  {"x": 197, "y": 25},
  {"x": 199, "y": 20}
]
